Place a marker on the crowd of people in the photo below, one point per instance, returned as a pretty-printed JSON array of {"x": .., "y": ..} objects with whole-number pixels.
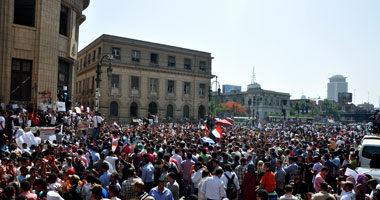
[{"x": 170, "y": 161}]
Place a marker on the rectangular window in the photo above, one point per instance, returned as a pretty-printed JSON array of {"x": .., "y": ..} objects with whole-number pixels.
[
  {"x": 64, "y": 20},
  {"x": 99, "y": 52},
  {"x": 170, "y": 86},
  {"x": 24, "y": 11},
  {"x": 136, "y": 56},
  {"x": 135, "y": 82},
  {"x": 187, "y": 64},
  {"x": 171, "y": 61},
  {"x": 85, "y": 61},
  {"x": 154, "y": 58},
  {"x": 21, "y": 80},
  {"x": 186, "y": 88},
  {"x": 115, "y": 81},
  {"x": 93, "y": 56},
  {"x": 89, "y": 58},
  {"x": 80, "y": 64},
  {"x": 153, "y": 85},
  {"x": 80, "y": 86},
  {"x": 63, "y": 74},
  {"x": 202, "y": 66},
  {"x": 93, "y": 85},
  {"x": 116, "y": 52},
  {"x": 202, "y": 88}
]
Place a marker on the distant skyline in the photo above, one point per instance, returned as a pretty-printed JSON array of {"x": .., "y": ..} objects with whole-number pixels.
[{"x": 295, "y": 45}]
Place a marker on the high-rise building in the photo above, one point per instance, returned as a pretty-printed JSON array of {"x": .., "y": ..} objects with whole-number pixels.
[
  {"x": 230, "y": 88},
  {"x": 38, "y": 49},
  {"x": 336, "y": 85}
]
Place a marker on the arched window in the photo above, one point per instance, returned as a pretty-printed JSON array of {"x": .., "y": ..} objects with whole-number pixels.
[
  {"x": 133, "y": 110},
  {"x": 152, "y": 108},
  {"x": 114, "y": 109},
  {"x": 169, "y": 111},
  {"x": 186, "y": 112},
  {"x": 201, "y": 112}
]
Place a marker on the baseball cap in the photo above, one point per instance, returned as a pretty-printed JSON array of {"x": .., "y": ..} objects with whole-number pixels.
[
  {"x": 378, "y": 187},
  {"x": 70, "y": 171}
]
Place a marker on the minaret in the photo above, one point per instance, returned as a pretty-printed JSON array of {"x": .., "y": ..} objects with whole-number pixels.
[
  {"x": 253, "y": 76},
  {"x": 253, "y": 84}
]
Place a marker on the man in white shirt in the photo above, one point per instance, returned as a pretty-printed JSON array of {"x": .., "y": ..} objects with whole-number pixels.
[
  {"x": 196, "y": 175},
  {"x": 213, "y": 187},
  {"x": 98, "y": 120},
  {"x": 178, "y": 158},
  {"x": 2, "y": 126},
  {"x": 347, "y": 193},
  {"x": 288, "y": 193},
  {"x": 229, "y": 175},
  {"x": 111, "y": 158}
]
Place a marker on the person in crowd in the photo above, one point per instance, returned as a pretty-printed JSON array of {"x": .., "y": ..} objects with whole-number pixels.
[
  {"x": 213, "y": 187},
  {"x": 231, "y": 183},
  {"x": 173, "y": 186},
  {"x": 280, "y": 178},
  {"x": 288, "y": 193},
  {"x": 320, "y": 178},
  {"x": 248, "y": 185},
  {"x": 127, "y": 189},
  {"x": 161, "y": 192},
  {"x": 323, "y": 193}
]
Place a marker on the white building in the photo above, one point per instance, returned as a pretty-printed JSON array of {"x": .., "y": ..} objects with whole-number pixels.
[{"x": 336, "y": 85}]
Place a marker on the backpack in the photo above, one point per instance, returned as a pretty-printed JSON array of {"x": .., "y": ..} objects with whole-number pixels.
[{"x": 231, "y": 188}]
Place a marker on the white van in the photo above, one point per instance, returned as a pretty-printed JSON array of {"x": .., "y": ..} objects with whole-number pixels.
[{"x": 369, "y": 147}]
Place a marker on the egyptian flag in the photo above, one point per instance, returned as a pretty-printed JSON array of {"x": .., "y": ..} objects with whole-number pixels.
[
  {"x": 206, "y": 129},
  {"x": 217, "y": 133},
  {"x": 114, "y": 143}
]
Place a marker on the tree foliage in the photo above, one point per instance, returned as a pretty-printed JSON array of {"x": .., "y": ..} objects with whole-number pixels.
[
  {"x": 330, "y": 109},
  {"x": 233, "y": 107}
]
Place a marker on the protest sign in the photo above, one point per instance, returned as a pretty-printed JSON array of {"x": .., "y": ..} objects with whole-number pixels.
[
  {"x": 83, "y": 126},
  {"x": 61, "y": 106},
  {"x": 46, "y": 132}
]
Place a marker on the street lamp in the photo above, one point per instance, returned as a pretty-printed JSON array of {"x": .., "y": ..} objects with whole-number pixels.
[
  {"x": 217, "y": 88},
  {"x": 98, "y": 79},
  {"x": 256, "y": 101}
]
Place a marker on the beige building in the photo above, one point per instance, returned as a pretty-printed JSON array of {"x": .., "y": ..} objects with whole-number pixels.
[
  {"x": 146, "y": 78},
  {"x": 38, "y": 49}
]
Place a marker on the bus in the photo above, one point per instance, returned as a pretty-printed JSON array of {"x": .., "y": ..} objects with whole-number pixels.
[{"x": 290, "y": 120}]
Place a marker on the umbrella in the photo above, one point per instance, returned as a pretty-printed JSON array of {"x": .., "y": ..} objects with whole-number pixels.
[
  {"x": 208, "y": 140},
  {"x": 223, "y": 122},
  {"x": 230, "y": 120}
]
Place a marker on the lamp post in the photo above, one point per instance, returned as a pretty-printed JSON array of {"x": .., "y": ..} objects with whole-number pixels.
[
  {"x": 217, "y": 88},
  {"x": 256, "y": 101},
  {"x": 98, "y": 79}
]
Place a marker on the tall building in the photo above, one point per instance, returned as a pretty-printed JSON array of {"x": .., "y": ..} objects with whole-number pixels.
[
  {"x": 38, "y": 49},
  {"x": 229, "y": 88},
  {"x": 147, "y": 77},
  {"x": 336, "y": 85}
]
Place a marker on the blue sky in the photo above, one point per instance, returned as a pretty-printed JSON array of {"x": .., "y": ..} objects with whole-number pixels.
[{"x": 295, "y": 45}]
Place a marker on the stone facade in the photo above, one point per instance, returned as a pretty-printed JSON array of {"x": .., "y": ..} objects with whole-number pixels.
[
  {"x": 38, "y": 49},
  {"x": 258, "y": 102},
  {"x": 146, "y": 77}
]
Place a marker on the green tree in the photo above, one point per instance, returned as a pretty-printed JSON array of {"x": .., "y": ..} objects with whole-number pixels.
[{"x": 330, "y": 109}]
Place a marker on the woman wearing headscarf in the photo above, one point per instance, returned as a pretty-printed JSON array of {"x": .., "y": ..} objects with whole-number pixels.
[
  {"x": 260, "y": 171},
  {"x": 249, "y": 183},
  {"x": 361, "y": 186}
]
